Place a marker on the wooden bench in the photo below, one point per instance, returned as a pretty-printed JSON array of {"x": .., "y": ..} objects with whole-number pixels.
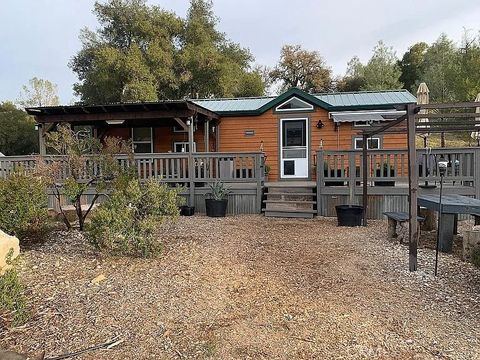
[{"x": 397, "y": 217}]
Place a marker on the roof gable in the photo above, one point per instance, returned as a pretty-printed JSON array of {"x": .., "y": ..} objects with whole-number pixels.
[{"x": 361, "y": 100}]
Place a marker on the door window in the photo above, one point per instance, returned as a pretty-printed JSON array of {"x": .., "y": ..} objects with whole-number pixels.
[{"x": 294, "y": 133}]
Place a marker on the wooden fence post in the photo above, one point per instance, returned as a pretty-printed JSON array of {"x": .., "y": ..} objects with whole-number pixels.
[
  {"x": 365, "y": 178},
  {"x": 320, "y": 184},
  {"x": 259, "y": 175},
  {"x": 191, "y": 163},
  {"x": 476, "y": 171},
  {"x": 351, "y": 177},
  {"x": 412, "y": 189}
]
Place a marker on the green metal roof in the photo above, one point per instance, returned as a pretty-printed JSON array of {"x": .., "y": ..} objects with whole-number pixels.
[{"x": 360, "y": 100}]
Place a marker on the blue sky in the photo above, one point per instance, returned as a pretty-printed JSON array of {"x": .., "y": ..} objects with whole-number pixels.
[{"x": 38, "y": 37}]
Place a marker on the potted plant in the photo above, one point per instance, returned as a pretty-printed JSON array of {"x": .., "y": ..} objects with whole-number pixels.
[
  {"x": 383, "y": 172},
  {"x": 267, "y": 171},
  {"x": 216, "y": 203}
]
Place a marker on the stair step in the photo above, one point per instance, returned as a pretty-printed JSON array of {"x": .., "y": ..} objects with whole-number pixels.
[
  {"x": 290, "y": 201},
  {"x": 292, "y": 193},
  {"x": 289, "y": 214},
  {"x": 306, "y": 211}
]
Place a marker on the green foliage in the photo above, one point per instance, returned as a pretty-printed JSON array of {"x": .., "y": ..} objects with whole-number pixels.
[
  {"x": 39, "y": 92},
  {"x": 382, "y": 71},
  {"x": 475, "y": 256},
  {"x": 87, "y": 162},
  {"x": 439, "y": 70},
  {"x": 17, "y": 131},
  {"x": 218, "y": 191},
  {"x": 451, "y": 72},
  {"x": 144, "y": 53},
  {"x": 412, "y": 66},
  {"x": 127, "y": 222},
  {"x": 23, "y": 209},
  {"x": 466, "y": 77},
  {"x": 303, "y": 69},
  {"x": 12, "y": 297}
]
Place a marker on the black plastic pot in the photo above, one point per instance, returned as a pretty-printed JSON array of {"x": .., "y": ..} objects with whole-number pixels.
[
  {"x": 216, "y": 208},
  {"x": 349, "y": 215},
  {"x": 187, "y": 210}
]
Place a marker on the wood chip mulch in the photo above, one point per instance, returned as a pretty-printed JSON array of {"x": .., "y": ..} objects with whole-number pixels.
[{"x": 250, "y": 287}]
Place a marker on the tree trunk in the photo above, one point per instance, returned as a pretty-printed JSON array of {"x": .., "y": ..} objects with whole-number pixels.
[{"x": 78, "y": 208}]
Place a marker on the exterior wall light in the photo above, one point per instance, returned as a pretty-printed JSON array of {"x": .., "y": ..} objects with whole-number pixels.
[
  {"x": 320, "y": 124},
  {"x": 115, "y": 122}
]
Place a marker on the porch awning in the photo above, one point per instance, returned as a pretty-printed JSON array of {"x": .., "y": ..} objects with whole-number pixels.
[
  {"x": 377, "y": 115},
  {"x": 120, "y": 111}
]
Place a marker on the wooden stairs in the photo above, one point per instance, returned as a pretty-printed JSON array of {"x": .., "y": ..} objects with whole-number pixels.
[{"x": 290, "y": 199}]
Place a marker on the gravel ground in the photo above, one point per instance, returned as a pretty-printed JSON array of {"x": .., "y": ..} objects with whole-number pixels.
[{"x": 249, "y": 287}]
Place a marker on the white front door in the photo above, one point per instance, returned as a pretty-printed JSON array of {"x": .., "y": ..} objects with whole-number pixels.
[{"x": 294, "y": 148}]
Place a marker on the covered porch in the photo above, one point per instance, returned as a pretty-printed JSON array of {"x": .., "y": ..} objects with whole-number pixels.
[{"x": 160, "y": 127}]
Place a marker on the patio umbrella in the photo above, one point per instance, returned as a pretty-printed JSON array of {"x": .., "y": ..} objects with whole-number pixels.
[
  {"x": 423, "y": 97},
  {"x": 476, "y": 134}
]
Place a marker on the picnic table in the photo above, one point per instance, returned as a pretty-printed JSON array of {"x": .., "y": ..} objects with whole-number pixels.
[{"x": 452, "y": 205}]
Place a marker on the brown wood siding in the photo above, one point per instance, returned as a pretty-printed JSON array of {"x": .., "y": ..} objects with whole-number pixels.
[
  {"x": 233, "y": 138},
  {"x": 164, "y": 137}
]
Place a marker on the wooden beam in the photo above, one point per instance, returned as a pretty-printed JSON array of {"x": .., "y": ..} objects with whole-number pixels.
[
  {"x": 386, "y": 126},
  {"x": 459, "y": 105},
  {"x": 365, "y": 178},
  {"x": 447, "y": 115},
  {"x": 201, "y": 110},
  {"x": 41, "y": 140},
  {"x": 113, "y": 116},
  {"x": 181, "y": 123},
  {"x": 206, "y": 132},
  {"x": 191, "y": 163},
  {"x": 412, "y": 190}
]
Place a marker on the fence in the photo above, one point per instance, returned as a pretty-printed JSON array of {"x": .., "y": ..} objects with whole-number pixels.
[
  {"x": 340, "y": 177},
  {"x": 243, "y": 172}
]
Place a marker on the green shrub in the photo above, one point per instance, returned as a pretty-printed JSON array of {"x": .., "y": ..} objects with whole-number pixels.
[
  {"x": 475, "y": 256},
  {"x": 23, "y": 199},
  {"x": 127, "y": 222},
  {"x": 12, "y": 298}
]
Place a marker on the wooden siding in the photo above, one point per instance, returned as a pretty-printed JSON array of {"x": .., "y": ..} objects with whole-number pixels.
[
  {"x": 233, "y": 138},
  {"x": 164, "y": 138}
]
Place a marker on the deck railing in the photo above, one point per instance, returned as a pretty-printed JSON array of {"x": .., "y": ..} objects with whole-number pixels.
[
  {"x": 193, "y": 171},
  {"x": 166, "y": 167},
  {"x": 340, "y": 167},
  {"x": 340, "y": 177}
]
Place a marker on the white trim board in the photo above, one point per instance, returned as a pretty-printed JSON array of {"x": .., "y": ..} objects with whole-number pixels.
[{"x": 307, "y": 106}]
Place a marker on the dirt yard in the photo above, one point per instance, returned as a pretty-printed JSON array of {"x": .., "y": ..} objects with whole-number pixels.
[{"x": 250, "y": 287}]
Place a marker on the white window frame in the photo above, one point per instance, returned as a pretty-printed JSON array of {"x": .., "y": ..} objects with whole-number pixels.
[
  {"x": 308, "y": 108},
  {"x": 368, "y": 141},
  {"x": 184, "y": 143},
  {"x": 178, "y": 129},
  {"x": 143, "y": 142},
  {"x": 361, "y": 124}
]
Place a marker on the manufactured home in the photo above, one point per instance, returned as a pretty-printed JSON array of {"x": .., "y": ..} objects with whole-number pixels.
[{"x": 288, "y": 129}]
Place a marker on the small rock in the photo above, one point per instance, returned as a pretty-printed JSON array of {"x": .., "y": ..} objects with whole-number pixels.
[
  {"x": 97, "y": 280},
  {"x": 9, "y": 246}
]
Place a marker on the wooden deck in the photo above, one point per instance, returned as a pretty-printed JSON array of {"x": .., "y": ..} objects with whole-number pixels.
[{"x": 339, "y": 177}]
